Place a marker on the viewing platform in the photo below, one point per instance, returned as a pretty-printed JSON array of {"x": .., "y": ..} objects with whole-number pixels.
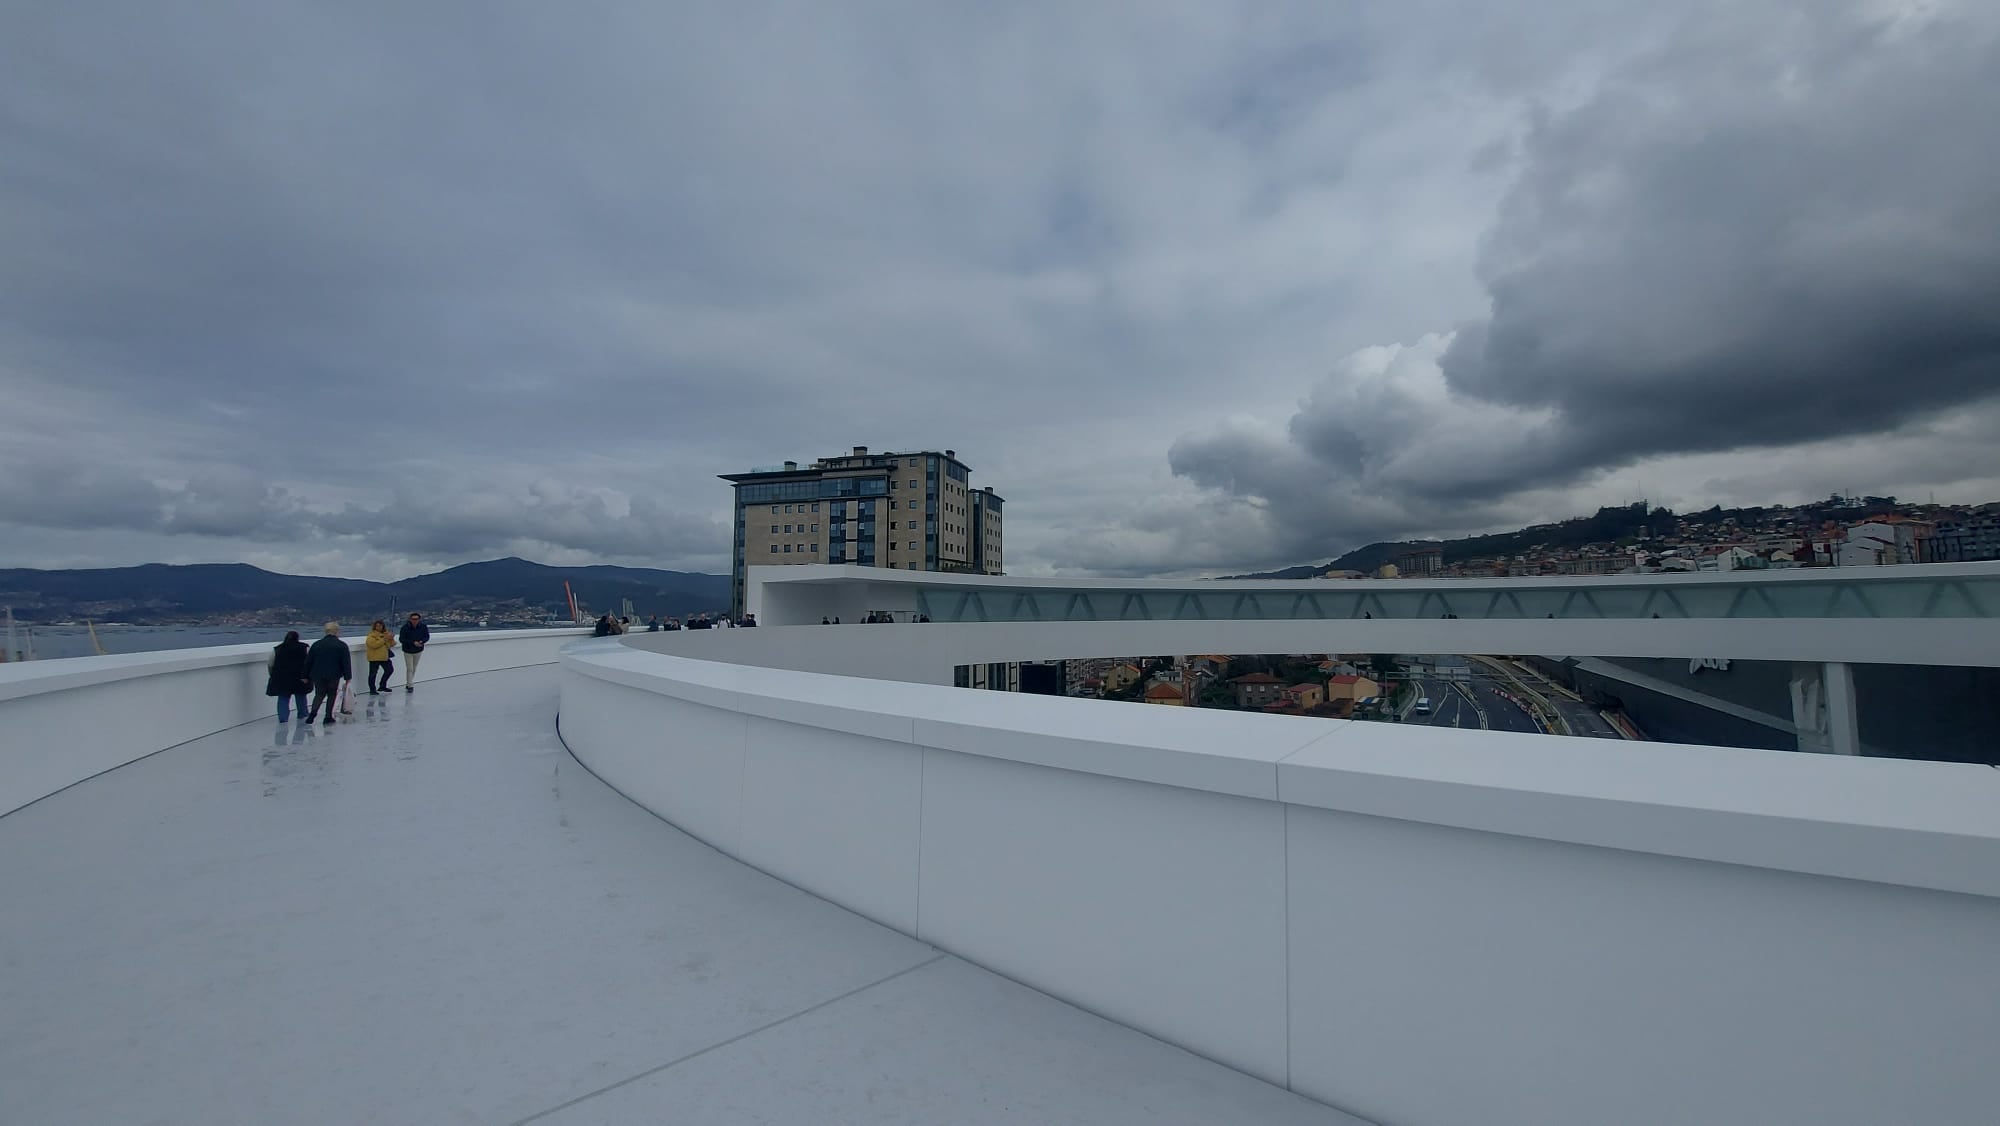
[
  {"x": 432, "y": 913},
  {"x": 788, "y": 874}
]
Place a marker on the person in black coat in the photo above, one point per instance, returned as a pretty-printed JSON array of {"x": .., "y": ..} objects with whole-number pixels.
[
  {"x": 414, "y": 636},
  {"x": 287, "y": 679},
  {"x": 328, "y": 662}
]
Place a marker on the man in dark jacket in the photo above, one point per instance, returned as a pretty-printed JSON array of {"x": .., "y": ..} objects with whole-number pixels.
[
  {"x": 328, "y": 662},
  {"x": 288, "y": 680},
  {"x": 413, "y": 636}
]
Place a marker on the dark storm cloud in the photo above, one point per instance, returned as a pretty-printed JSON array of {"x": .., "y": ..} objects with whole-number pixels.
[
  {"x": 1778, "y": 229},
  {"x": 1722, "y": 252}
]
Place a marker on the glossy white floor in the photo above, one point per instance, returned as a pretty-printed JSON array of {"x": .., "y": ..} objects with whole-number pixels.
[{"x": 433, "y": 914}]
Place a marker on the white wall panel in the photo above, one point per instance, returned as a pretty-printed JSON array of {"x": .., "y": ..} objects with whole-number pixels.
[
  {"x": 1153, "y": 905},
  {"x": 62, "y": 721},
  {"x": 1415, "y": 967},
  {"x": 836, "y": 814},
  {"x": 683, "y": 761},
  {"x": 1446, "y": 975},
  {"x": 55, "y": 739}
]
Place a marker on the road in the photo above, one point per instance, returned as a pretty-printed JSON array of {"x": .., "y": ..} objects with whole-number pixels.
[
  {"x": 1449, "y": 708},
  {"x": 1462, "y": 705},
  {"x": 1503, "y": 714},
  {"x": 1484, "y": 696},
  {"x": 1582, "y": 718}
]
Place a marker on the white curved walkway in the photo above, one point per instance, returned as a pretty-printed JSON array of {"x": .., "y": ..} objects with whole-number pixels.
[{"x": 433, "y": 914}]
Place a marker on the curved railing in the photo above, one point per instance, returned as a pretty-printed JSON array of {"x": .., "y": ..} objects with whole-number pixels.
[
  {"x": 62, "y": 721},
  {"x": 1412, "y": 924},
  {"x": 1932, "y": 592},
  {"x": 1417, "y": 925}
]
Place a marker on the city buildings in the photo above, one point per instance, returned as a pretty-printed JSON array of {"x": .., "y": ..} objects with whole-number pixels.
[
  {"x": 1119, "y": 677},
  {"x": 913, "y": 511},
  {"x": 1352, "y": 688},
  {"x": 1968, "y": 538},
  {"x": 1254, "y": 690},
  {"x": 1421, "y": 561},
  {"x": 1884, "y": 540},
  {"x": 1840, "y": 531}
]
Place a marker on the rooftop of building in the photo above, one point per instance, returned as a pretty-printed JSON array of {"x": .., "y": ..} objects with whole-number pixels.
[
  {"x": 856, "y": 459},
  {"x": 433, "y": 913}
]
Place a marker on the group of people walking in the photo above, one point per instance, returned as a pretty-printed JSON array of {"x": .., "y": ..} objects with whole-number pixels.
[
  {"x": 608, "y": 626},
  {"x": 326, "y": 666}
]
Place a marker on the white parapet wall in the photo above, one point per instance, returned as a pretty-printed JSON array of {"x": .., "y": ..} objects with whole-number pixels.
[
  {"x": 62, "y": 721},
  {"x": 1414, "y": 925}
]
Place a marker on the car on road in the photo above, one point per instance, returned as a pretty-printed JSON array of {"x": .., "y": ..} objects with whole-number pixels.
[{"x": 1423, "y": 705}]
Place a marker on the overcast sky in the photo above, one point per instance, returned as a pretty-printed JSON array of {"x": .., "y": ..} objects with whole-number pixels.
[{"x": 370, "y": 288}]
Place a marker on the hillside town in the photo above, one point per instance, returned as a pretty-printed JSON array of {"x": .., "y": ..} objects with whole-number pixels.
[
  {"x": 1331, "y": 686},
  {"x": 1838, "y": 532}
]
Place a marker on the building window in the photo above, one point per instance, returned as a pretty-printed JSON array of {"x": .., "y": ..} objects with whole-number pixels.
[
  {"x": 913, "y": 545},
  {"x": 788, "y": 549},
  {"x": 815, "y": 527},
  {"x": 774, "y": 529},
  {"x": 815, "y": 508},
  {"x": 892, "y": 504},
  {"x": 815, "y": 549},
  {"x": 912, "y": 566},
  {"x": 895, "y": 484},
  {"x": 774, "y": 549},
  {"x": 774, "y": 510}
]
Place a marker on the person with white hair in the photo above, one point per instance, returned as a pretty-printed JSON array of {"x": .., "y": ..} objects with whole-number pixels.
[{"x": 328, "y": 663}]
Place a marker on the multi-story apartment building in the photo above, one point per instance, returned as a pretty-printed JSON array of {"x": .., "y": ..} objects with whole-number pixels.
[
  {"x": 1963, "y": 539},
  {"x": 985, "y": 525},
  {"x": 1420, "y": 561},
  {"x": 913, "y": 511},
  {"x": 1886, "y": 539}
]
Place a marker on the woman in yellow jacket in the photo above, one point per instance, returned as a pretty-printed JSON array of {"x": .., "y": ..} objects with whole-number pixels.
[{"x": 380, "y": 645}]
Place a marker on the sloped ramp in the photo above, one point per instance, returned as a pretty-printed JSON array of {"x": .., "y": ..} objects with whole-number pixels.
[{"x": 433, "y": 914}]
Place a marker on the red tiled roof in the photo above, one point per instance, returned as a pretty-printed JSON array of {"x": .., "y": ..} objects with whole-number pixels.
[{"x": 1344, "y": 680}]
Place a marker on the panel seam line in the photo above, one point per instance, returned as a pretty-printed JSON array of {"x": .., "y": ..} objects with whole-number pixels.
[{"x": 738, "y": 1038}]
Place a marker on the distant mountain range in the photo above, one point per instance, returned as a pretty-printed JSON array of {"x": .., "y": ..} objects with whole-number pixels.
[{"x": 502, "y": 590}]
